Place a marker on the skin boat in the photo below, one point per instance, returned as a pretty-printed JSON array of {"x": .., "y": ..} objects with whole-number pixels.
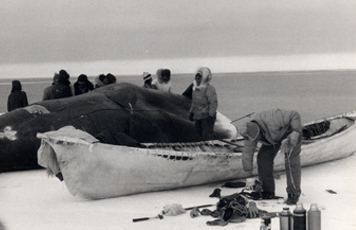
[{"x": 95, "y": 170}]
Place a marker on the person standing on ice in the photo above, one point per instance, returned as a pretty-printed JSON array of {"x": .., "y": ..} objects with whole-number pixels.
[
  {"x": 275, "y": 129},
  {"x": 82, "y": 85},
  {"x": 63, "y": 88},
  {"x": 204, "y": 104},
  {"x": 17, "y": 97},
  {"x": 163, "y": 80},
  {"x": 47, "y": 92},
  {"x": 99, "y": 81},
  {"x": 110, "y": 79},
  {"x": 147, "y": 81}
]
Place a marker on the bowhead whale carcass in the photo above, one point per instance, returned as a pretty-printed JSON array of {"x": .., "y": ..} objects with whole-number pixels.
[{"x": 120, "y": 114}]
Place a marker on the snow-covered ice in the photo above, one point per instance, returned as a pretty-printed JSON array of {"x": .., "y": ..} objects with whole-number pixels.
[{"x": 31, "y": 200}]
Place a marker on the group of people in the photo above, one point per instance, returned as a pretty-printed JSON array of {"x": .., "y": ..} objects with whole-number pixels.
[
  {"x": 61, "y": 86},
  {"x": 274, "y": 129},
  {"x": 162, "y": 82},
  {"x": 204, "y": 98}
]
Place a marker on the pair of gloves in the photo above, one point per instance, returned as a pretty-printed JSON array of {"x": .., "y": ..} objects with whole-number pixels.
[{"x": 256, "y": 186}]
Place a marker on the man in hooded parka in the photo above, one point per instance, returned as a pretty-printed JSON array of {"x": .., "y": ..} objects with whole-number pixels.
[
  {"x": 275, "y": 129},
  {"x": 204, "y": 104},
  {"x": 163, "y": 81},
  {"x": 63, "y": 88}
]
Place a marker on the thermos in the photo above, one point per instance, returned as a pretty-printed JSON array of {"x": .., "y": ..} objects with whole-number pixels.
[
  {"x": 299, "y": 217},
  {"x": 314, "y": 217},
  {"x": 285, "y": 219}
]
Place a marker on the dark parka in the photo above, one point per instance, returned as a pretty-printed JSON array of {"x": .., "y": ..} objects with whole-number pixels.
[{"x": 17, "y": 97}]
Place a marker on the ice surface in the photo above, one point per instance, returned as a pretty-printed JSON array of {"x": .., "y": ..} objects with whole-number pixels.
[{"x": 31, "y": 200}]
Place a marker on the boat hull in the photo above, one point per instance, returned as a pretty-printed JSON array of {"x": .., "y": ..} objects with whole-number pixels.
[{"x": 96, "y": 170}]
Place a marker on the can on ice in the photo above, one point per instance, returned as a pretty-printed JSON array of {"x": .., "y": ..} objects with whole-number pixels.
[{"x": 285, "y": 219}]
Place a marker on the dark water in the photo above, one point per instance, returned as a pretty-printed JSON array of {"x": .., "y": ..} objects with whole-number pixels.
[{"x": 315, "y": 94}]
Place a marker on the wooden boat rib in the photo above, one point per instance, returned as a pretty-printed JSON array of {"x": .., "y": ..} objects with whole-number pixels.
[{"x": 95, "y": 170}]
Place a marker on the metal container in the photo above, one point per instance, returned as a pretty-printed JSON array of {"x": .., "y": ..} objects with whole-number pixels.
[
  {"x": 299, "y": 218},
  {"x": 314, "y": 217},
  {"x": 285, "y": 219}
]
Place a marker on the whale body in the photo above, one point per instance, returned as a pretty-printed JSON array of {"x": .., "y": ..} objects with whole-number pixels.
[{"x": 120, "y": 114}]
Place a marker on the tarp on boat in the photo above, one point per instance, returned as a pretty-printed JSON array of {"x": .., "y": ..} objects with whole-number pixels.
[{"x": 65, "y": 135}]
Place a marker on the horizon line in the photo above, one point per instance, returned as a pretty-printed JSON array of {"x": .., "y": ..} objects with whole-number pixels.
[{"x": 229, "y": 64}]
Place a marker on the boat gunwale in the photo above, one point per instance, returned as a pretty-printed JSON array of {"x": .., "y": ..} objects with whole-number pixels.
[
  {"x": 223, "y": 144},
  {"x": 166, "y": 153}
]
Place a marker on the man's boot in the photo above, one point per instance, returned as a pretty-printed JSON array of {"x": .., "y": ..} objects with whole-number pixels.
[
  {"x": 268, "y": 195},
  {"x": 292, "y": 199}
]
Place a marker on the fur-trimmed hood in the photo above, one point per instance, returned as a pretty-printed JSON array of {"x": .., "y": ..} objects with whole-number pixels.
[
  {"x": 161, "y": 72},
  {"x": 206, "y": 77}
]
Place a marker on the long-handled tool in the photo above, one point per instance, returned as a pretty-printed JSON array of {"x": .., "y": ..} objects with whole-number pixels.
[
  {"x": 200, "y": 206},
  {"x": 247, "y": 115},
  {"x": 160, "y": 216}
]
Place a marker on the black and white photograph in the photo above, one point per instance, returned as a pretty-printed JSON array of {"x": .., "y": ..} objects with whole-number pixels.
[{"x": 178, "y": 114}]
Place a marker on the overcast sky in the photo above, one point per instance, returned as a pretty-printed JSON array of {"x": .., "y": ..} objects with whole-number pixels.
[
  {"x": 66, "y": 30},
  {"x": 132, "y": 36}
]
